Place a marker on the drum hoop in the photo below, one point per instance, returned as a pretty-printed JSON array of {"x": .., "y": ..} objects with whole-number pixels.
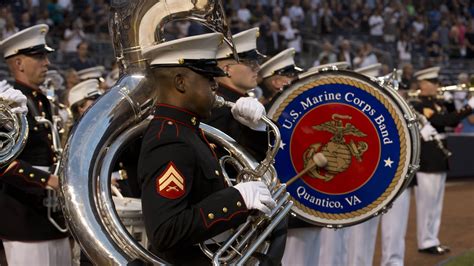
[{"x": 399, "y": 124}]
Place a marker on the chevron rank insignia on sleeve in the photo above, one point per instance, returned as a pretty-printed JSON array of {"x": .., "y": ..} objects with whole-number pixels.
[{"x": 170, "y": 184}]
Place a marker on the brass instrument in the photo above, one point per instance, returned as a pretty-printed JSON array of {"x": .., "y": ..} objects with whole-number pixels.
[
  {"x": 116, "y": 118},
  {"x": 13, "y": 133},
  {"x": 439, "y": 143},
  {"x": 441, "y": 90},
  {"x": 249, "y": 237}
]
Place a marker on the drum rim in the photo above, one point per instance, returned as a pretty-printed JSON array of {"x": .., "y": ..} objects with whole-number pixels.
[{"x": 405, "y": 170}]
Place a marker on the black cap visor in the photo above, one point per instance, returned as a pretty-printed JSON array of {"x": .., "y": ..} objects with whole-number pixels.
[
  {"x": 205, "y": 67},
  {"x": 252, "y": 55},
  {"x": 290, "y": 70},
  {"x": 33, "y": 50}
]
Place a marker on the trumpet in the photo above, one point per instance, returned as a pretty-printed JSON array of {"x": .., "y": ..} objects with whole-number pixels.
[
  {"x": 423, "y": 121},
  {"x": 441, "y": 90}
]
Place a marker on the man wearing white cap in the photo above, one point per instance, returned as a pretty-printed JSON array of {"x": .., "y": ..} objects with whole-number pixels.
[
  {"x": 180, "y": 175},
  {"x": 29, "y": 237},
  {"x": 82, "y": 96},
  {"x": 241, "y": 77},
  {"x": 276, "y": 73},
  {"x": 250, "y": 133},
  {"x": 431, "y": 176}
]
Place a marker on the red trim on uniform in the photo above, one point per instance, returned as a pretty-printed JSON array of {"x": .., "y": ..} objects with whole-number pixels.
[
  {"x": 208, "y": 144},
  {"x": 219, "y": 220},
  {"x": 163, "y": 124},
  {"x": 165, "y": 118}
]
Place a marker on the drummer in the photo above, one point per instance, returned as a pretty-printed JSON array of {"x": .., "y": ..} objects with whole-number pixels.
[{"x": 277, "y": 73}]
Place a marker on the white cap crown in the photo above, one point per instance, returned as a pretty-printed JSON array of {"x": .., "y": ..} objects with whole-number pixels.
[
  {"x": 91, "y": 73},
  {"x": 83, "y": 90},
  {"x": 370, "y": 70},
  {"x": 427, "y": 73},
  {"x": 28, "y": 41},
  {"x": 244, "y": 41},
  {"x": 280, "y": 61}
]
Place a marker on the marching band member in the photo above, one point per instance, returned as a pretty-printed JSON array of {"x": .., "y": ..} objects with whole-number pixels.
[
  {"x": 302, "y": 238},
  {"x": 180, "y": 175},
  {"x": 29, "y": 237},
  {"x": 82, "y": 96},
  {"x": 276, "y": 73},
  {"x": 431, "y": 177},
  {"x": 241, "y": 78},
  {"x": 96, "y": 72}
]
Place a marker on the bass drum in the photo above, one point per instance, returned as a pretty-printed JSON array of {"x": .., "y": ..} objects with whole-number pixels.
[{"x": 368, "y": 134}]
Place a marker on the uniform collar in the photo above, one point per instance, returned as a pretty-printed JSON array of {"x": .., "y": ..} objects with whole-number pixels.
[
  {"x": 26, "y": 89},
  {"x": 177, "y": 114},
  {"x": 229, "y": 93}
]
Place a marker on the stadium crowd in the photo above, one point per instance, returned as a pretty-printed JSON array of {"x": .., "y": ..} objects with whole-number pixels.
[{"x": 437, "y": 30}]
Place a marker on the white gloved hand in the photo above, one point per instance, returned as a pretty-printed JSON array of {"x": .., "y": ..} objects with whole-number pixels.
[
  {"x": 249, "y": 111},
  {"x": 470, "y": 102},
  {"x": 448, "y": 97},
  {"x": 427, "y": 132},
  {"x": 9, "y": 94},
  {"x": 256, "y": 196}
]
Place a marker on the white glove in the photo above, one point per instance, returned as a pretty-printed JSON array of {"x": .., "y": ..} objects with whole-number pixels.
[
  {"x": 448, "y": 97},
  {"x": 256, "y": 196},
  {"x": 470, "y": 102},
  {"x": 427, "y": 132},
  {"x": 9, "y": 94},
  {"x": 249, "y": 111}
]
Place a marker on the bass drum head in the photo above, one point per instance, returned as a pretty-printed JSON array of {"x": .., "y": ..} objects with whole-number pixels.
[{"x": 367, "y": 134}]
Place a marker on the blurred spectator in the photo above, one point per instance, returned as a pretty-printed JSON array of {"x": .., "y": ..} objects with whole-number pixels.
[
  {"x": 404, "y": 48},
  {"x": 10, "y": 27},
  {"x": 83, "y": 60},
  {"x": 73, "y": 36},
  {"x": 376, "y": 24},
  {"x": 407, "y": 80},
  {"x": 56, "y": 12},
  {"x": 293, "y": 39},
  {"x": 25, "y": 21},
  {"x": 469, "y": 40},
  {"x": 273, "y": 39},
  {"x": 296, "y": 13},
  {"x": 345, "y": 53},
  {"x": 43, "y": 18},
  {"x": 326, "y": 56},
  {"x": 365, "y": 56},
  {"x": 244, "y": 14},
  {"x": 433, "y": 48},
  {"x": 88, "y": 20},
  {"x": 326, "y": 18},
  {"x": 285, "y": 20},
  {"x": 71, "y": 80}
]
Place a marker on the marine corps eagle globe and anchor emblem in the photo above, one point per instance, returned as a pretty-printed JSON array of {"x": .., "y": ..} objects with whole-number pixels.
[
  {"x": 337, "y": 152},
  {"x": 368, "y": 135}
]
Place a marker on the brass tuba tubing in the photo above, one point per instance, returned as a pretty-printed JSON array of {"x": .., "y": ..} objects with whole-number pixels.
[
  {"x": 14, "y": 133},
  {"x": 256, "y": 229}
]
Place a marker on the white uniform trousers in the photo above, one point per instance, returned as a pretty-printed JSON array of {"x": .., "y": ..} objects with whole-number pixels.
[
  {"x": 361, "y": 242},
  {"x": 302, "y": 246},
  {"x": 394, "y": 228},
  {"x": 429, "y": 194},
  {"x": 333, "y": 250},
  {"x": 40, "y": 253}
]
